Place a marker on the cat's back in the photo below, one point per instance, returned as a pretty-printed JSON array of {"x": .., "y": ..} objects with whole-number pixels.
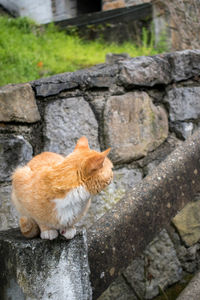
[{"x": 45, "y": 159}]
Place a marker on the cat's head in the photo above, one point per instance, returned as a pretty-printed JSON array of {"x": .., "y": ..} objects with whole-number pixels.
[{"x": 95, "y": 167}]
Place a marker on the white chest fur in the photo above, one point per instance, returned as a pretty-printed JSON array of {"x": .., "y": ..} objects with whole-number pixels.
[{"x": 70, "y": 207}]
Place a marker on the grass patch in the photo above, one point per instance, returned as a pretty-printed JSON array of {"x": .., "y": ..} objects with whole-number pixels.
[{"x": 28, "y": 51}]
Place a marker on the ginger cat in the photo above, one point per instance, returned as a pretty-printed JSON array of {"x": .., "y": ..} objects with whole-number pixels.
[{"x": 53, "y": 192}]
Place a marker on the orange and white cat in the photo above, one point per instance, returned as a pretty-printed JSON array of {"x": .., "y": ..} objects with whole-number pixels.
[{"x": 53, "y": 192}]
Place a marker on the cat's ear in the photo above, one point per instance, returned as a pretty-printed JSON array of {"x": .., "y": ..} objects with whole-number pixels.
[
  {"x": 106, "y": 152},
  {"x": 95, "y": 163},
  {"x": 82, "y": 143}
]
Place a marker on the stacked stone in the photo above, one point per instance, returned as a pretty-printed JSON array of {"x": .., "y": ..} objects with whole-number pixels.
[
  {"x": 141, "y": 107},
  {"x": 18, "y": 111}
]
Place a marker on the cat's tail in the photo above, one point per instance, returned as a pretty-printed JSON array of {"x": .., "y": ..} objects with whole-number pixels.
[{"x": 29, "y": 228}]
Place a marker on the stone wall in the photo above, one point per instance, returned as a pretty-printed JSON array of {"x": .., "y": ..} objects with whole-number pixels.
[{"x": 141, "y": 107}]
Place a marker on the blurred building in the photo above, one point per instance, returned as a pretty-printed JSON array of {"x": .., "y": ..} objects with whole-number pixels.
[
  {"x": 45, "y": 11},
  {"x": 125, "y": 17}
]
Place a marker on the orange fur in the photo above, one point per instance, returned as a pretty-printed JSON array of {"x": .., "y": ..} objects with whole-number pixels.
[{"x": 41, "y": 185}]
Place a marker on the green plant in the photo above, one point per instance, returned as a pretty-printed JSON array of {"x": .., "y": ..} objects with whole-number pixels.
[
  {"x": 162, "y": 44},
  {"x": 29, "y": 51}
]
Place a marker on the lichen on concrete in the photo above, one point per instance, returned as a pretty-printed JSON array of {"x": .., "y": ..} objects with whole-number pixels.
[{"x": 38, "y": 269}]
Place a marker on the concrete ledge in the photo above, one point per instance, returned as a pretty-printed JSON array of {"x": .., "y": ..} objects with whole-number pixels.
[
  {"x": 192, "y": 290},
  {"x": 38, "y": 269},
  {"x": 124, "y": 232}
]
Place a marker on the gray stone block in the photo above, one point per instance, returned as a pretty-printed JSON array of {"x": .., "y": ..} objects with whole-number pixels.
[
  {"x": 183, "y": 103},
  {"x": 145, "y": 71},
  {"x": 189, "y": 257},
  {"x": 17, "y": 103},
  {"x": 184, "y": 64},
  {"x": 65, "y": 121},
  {"x": 118, "y": 290},
  {"x": 183, "y": 129},
  {"x": 160, "y": 69},
  {"x": 158, "y": 267},
  {"x": 123, "y": 181},
  {"x": 8, "y": 213},
  {"x": 153, "y": 159},
  {"x": 14, "y": 151},
  {"x": 38, "y": 269},
  {"x": 133, "y": 126},
  {"x": 100, "y": 76}
]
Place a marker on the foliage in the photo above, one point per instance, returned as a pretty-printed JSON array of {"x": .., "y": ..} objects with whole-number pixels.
[{"x": 29, "y": 51}]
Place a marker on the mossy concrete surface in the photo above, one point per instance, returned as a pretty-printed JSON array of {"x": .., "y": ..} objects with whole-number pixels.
[
  {"x": 133, "y": 222},
  {"x": 33, "y": 269}
]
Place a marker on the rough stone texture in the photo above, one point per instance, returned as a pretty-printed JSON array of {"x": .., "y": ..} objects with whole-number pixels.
[
  {"x": 189, "y": 257},
  {"x": 160, "y": 69},
  {"x": 183, "y": 129},
  {"x": 187, "y": 223},
  {"x": 159, "y": 267},
  {"x": 118, "y": 290},
  {"x": 133, "y": 126},
  {"x": 142, "y": 212},
  {"x": 38, "y": 269},
  {"x": 145, "y": 71},
  {"x": 100, "y": 76},
  {"x": 98, "y": 103},
  {"x": 65, "y": 121},
  {"x": 183, "y": 103},
  {"x": 17, "y": 103},
  {"x": 192, "y": 291},
  {"x": 154, "y": 158},
  {"x": 124, "y": 180},
  {"x": 184, "y": 64},
  {"x": 8, "y": 214},
  {"x": 14, "y": 151}
]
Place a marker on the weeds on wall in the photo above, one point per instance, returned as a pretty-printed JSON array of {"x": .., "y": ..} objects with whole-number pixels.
[{"x": 29, "y": 51}]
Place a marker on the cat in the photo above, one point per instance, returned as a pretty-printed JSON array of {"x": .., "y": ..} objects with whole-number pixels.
[{"x": 52, "y": 192}]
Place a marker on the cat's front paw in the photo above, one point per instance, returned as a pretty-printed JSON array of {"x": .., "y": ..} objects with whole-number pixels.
[
  {"x": 49, "y": 234},
  {"x": 68, "y": 233}
]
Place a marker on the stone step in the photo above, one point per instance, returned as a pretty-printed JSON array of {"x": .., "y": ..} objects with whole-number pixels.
[{"x": 39, "y": 269}]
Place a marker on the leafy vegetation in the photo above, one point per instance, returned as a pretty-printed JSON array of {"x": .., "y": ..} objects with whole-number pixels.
[{"x": 29, "y": 51}]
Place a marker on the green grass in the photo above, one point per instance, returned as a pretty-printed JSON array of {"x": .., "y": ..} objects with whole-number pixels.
[{"x": 28, "y": 51}]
